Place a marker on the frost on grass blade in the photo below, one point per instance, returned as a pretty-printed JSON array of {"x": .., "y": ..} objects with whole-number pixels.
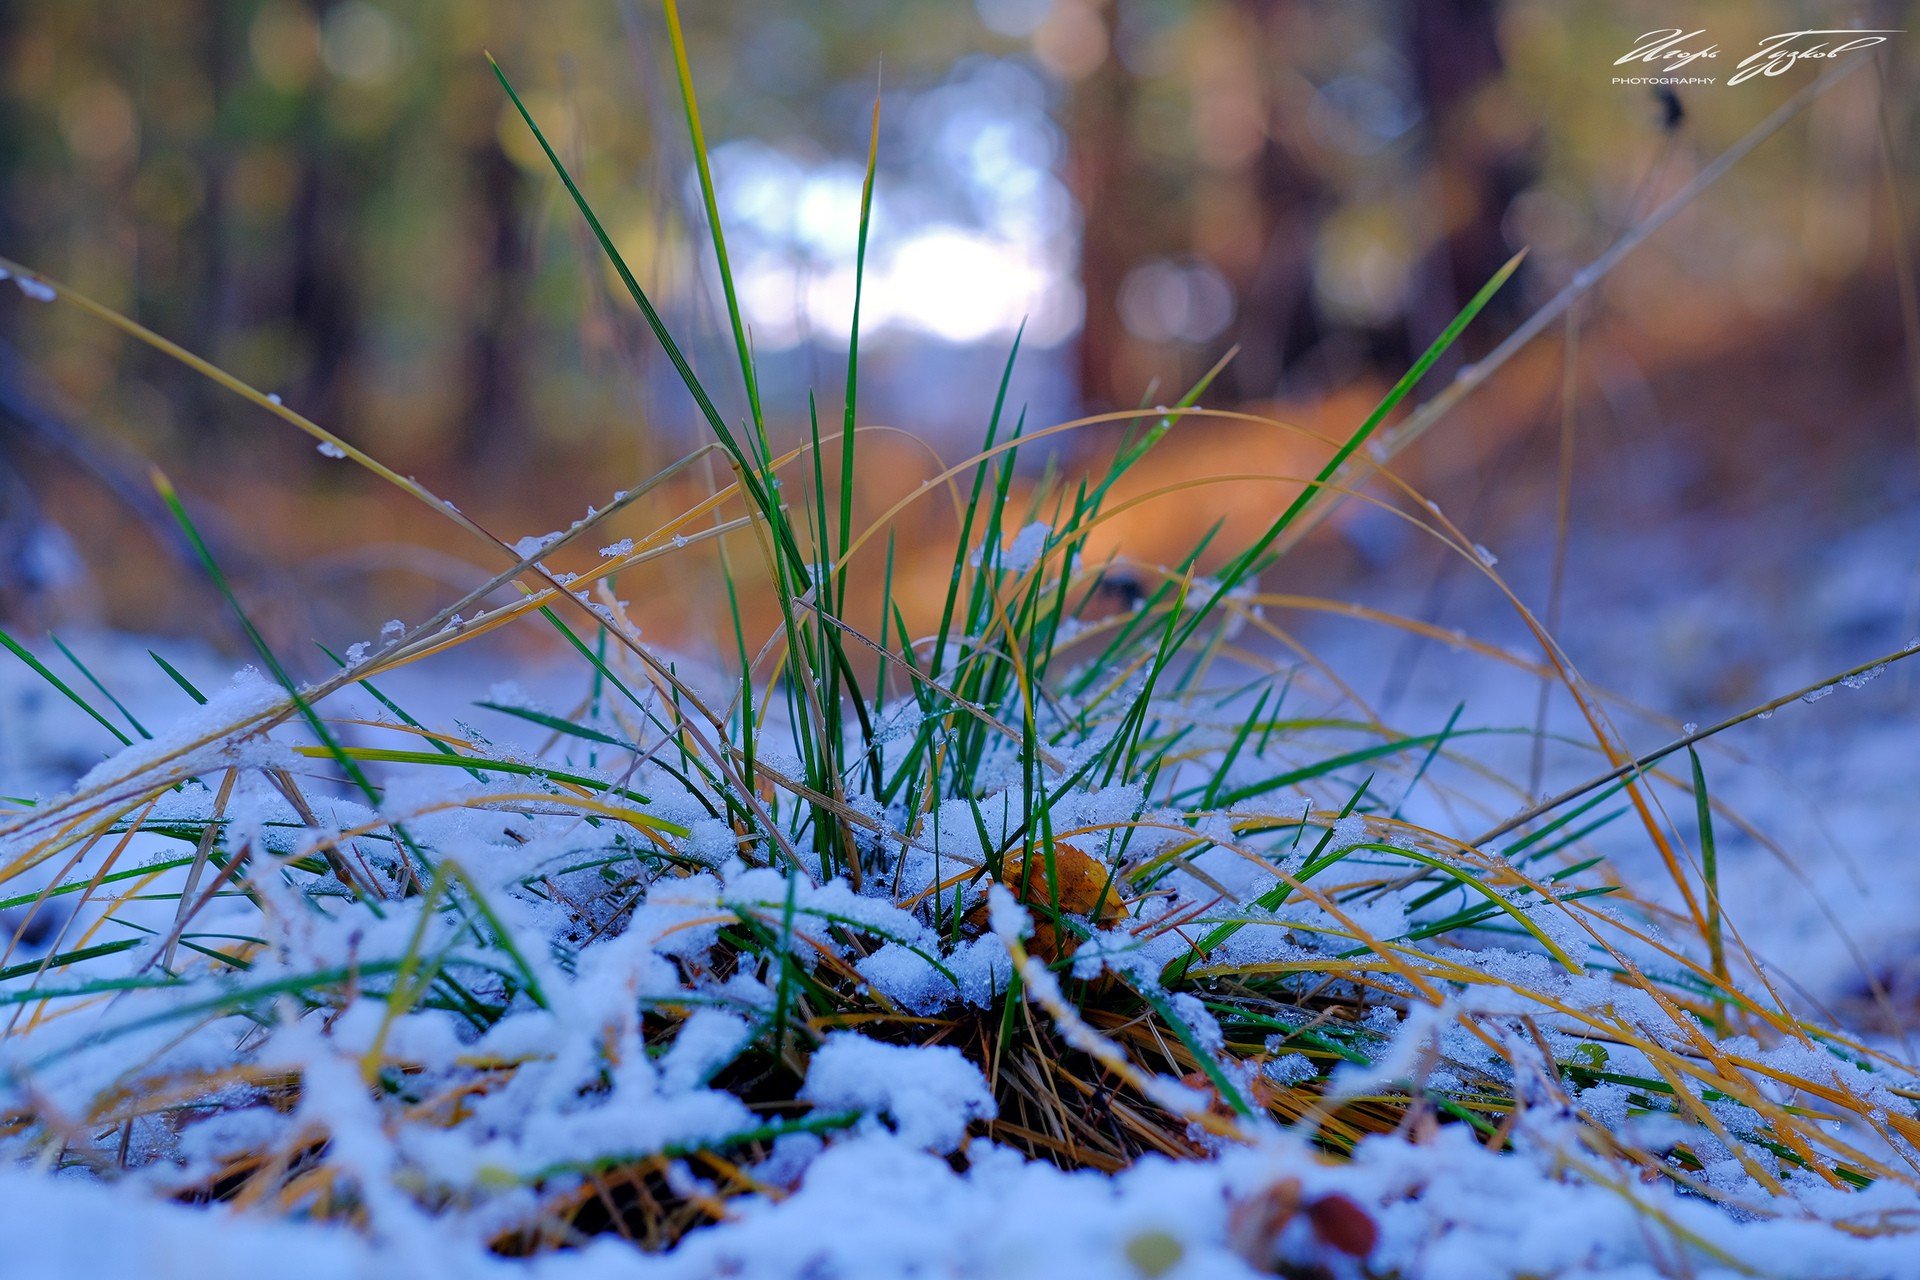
[{"x": 531, "y": 546}]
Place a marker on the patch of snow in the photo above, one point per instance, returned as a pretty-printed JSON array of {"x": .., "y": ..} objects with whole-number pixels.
[
  {"x": 1023, "y": 552},
  {"x": 930, "y": 1093}
]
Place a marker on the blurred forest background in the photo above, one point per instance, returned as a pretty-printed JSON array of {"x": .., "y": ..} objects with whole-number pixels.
[{"x": 333, "y": 200}]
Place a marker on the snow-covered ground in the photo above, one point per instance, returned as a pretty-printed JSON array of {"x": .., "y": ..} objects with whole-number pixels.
[
  {"x": 1688, "y": 617},
  {"x": 1831, "y": 783},
  {"x": 875, "y": 1207}
]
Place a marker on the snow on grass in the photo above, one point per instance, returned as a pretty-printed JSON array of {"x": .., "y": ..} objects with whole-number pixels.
[{"x": 521, "y": 999}]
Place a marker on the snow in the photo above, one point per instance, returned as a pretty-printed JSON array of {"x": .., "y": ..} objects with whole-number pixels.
[
  {"x": 129, "y": 1235},
  {"x": 708, "y": 1040},
  {"x": 197, "y": 739},
  {"x": 1023, "y": 552},
  {"x": 873, "y": 1206},
  {"x": 930, "y": 1093}
]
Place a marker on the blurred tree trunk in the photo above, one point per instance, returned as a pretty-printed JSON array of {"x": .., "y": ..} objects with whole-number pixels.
[
  {"x": 1257, "y": 215},
  {"x": 321, "y": 299},
  {"x": 224, "y": 42},
  {"x": 182, "y": 280},
  {"x": 1475, "y": 170},
  {"x": 1278, "y": 319},
  {"x": 1104, "y": 171},
  {"x": 494, "y": 426}
]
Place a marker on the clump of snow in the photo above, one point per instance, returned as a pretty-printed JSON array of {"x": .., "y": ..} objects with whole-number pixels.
[
  {"x": 1023, "y": 552},
  {"x": 511, "y": 693},
  {"x": 199, "y": 738},
  {"x": 1008, "y": 918},
  {"x": 925, "y": 980},
  {"x": 1207, "y": 593},
  {"x": 1347, "y": 832},
  {"x": 708, "y": 1040},
  {"x": 328, "y": 449},
  {"x": 712, "y": 842},
  {"x": 930, "y": 1093},
  {"x": 1290, "y": 1068}
]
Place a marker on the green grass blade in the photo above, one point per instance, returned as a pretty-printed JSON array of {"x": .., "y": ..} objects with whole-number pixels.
[
  {"x": 558, "y": 724},
  {"x": 1176, "y": 969},
  {"x": 105, "y": 692},
  {"x": 853, "y": 356},
  {"x": 1251, "y": 560},
  {"x": 179, "y": 679},
  {"x": 65, "y": 958},
  {"x": 1432, "y": 753},
  {"x": 690, "y": 103},
  {"x": 40, "y": 669},
  {"x": 1710, "y": 868},
  {"x": 396, "y": 710},
  {"x": 749, "y": 471}
]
